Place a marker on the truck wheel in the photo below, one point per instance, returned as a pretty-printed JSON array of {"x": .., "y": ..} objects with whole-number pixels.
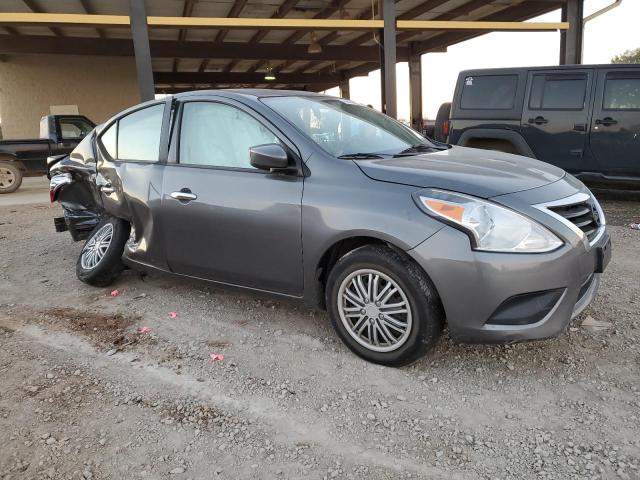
[
  {"x": 10, "y": 177},
  {"x": 383, "y": 306},
  {"x": 440, "y": 130},
  {"x": 100, "y": 260}
]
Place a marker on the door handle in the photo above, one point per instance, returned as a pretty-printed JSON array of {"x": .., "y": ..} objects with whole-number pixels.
[
  {"x": 107, "y": 189},
  {"x": 538, "y": 120},
  {"x": 580, "y": 127},
  {"x": 184, "y": 195},
  {"x": 606, "y": 121}
]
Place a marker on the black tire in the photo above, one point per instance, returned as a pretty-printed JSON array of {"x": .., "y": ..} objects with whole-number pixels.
[
  {"x": 109, "y": 266},
  {"x": 10, "y": 177},
  {"x": 444, "y": 112},
  {"x": 426, "y": 308}
]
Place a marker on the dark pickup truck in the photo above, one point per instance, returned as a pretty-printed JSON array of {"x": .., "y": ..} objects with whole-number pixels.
[
  {"x": 59, "y": 134},
  {"x": 582, "y": 118}
]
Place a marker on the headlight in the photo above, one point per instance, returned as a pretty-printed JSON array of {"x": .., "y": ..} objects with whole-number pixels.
[{"x": 491, "y": 227}]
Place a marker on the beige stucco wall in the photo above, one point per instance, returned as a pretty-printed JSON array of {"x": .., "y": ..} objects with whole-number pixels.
[{"x": 30, "y": 84}]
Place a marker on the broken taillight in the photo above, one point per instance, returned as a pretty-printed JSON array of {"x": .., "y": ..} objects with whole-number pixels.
[{"x": 57, "y": 183}]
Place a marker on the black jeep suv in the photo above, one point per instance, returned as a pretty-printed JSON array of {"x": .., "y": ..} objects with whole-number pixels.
[{"x": 582, "y": 118}]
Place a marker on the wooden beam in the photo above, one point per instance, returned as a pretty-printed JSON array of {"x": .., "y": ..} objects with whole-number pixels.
[
  {"x": 187, "y": 10},
  {"x": 444, "y": 25},
  {"x": 196, "y": 78},
  {"x": 35, "y": 8},
  {"x": 235, "y": 10},
  {"x": 123, "y": 47},
  {"x": 77, "y": 19},
  {"x": 88, "y": 8}
]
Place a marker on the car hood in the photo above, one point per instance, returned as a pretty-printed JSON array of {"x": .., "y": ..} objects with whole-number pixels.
[{"x": 483, "y": 173}]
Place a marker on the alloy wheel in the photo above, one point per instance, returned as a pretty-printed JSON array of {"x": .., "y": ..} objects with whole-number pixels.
[
  {"x": 97, "y": 246},
  {"x": 375, "y": 310}
]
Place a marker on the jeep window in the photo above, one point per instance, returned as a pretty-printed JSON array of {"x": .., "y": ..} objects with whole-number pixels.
[
  {"x": 489, "y": 92},
  {"x": 558, "y": 92},
  {"x": 139, "y": 134},
  {"x": 622, "y": 94},
  {"x": 345, "y": 128}
]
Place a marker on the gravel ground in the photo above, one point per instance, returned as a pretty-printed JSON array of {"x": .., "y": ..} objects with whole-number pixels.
[{"x": 85, "y": 395}]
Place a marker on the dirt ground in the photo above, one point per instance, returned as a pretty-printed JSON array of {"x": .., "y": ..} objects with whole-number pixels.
[{"x": 83, "y": 395}]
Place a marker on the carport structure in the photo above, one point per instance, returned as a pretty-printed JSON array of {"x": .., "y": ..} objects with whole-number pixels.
[{"x": 300, "y": 44}]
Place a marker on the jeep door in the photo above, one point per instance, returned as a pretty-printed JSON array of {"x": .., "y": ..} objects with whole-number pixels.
[
  {"x": 615, "y": 129},
  {"x": 556, "y": 115},
  {"x": 223, "y": 219}
]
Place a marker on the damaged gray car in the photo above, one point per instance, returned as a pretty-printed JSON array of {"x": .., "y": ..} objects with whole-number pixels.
[{"x": 319, "y": 198}]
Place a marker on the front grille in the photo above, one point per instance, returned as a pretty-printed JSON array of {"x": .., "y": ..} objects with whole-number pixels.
[{"x": 583, "y": 215}]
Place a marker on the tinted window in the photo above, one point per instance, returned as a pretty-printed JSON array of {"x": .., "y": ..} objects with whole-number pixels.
[
  {"x": 219, "y": 135},
  {"x": 108, "y": 140},
  {"x": 622, "y": 94},
  {"x": 558, "y": 92},
  {"x": 489, "y": 92},
  {"x": 139, "y": 134},
  {"x": 74, "y": 128}
]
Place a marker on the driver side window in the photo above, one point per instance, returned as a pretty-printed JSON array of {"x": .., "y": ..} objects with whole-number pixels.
[{"x": 219, "y": 135}]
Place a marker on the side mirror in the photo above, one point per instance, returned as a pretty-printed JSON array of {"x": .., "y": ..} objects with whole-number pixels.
[{"x": 268, "y": 157}]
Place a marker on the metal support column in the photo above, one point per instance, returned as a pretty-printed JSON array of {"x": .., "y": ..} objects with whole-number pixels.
[
  {"x": 344, "y": 88},
  {"x": 415, "y": 91},
  {"x": 571, "y": 40},
  {"x": 140, "y": 35},
  {"x": 383, "y": 93},
  {"x": 390, "y": 106}
]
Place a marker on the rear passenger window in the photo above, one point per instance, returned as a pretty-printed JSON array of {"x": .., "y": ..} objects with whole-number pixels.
[
  {"x": 622, "y": 93},
  {"x": 558, "y": 92},
  {"x": 139, "y": 134},
  {"x": 489, "y": 92}
]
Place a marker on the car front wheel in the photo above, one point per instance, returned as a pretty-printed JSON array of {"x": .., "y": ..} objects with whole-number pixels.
[
  {"x": 383, "y": 306},
  {"x": 100, "y": 259}
]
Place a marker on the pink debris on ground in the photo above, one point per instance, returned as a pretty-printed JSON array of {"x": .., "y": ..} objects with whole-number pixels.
[
  {"x": 144, "y": 330},
  {"x": 216, "y": 357},
  {"x": 172, "y": 314},
  {"x": 115, "y": 293}
]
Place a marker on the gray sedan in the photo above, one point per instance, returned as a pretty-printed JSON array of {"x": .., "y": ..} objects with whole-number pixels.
[{"x": 323, "y": 199}]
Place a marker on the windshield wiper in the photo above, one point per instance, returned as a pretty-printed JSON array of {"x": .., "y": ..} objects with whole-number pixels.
[
  {"x": 420, "y": 147},
  {"x": 359, "y": 156}
]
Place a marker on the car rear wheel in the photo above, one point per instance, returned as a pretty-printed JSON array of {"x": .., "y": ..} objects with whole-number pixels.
[
  {"x": 383, "y": 306},
  {"x": 10, "y": 177},
  {"x": 100, "y": 259}
]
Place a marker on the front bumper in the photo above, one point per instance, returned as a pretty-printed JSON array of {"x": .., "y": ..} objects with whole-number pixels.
[{"x": 480, "y": 289}]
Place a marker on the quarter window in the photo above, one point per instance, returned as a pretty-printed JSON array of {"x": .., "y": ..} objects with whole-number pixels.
[
  {"x": 489, "y": 92},
  {"x": 622, "y": 94},
  {"x": 558, "y": 92},
  {"x": 219, "y": 135},
  {"x": 139, "y": 134},
  {"x": 108, "y": 140}
]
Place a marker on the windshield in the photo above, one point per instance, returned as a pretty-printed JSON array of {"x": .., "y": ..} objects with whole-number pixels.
[{"x": 346, "y": 129}]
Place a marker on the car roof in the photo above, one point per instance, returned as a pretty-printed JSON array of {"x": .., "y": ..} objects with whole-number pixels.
[
  {"x": 548, "y": 67},
  {"x": 249, "y": 92}
]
